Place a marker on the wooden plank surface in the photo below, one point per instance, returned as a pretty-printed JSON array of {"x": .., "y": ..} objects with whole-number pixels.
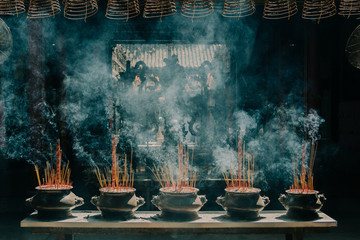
[{"x": 151, "y": 220}]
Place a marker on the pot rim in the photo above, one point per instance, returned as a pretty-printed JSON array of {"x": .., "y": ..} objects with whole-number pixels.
[
  {"x": 254, "y": 190},
  {"x": 171, "y": 192},
  {"x": 304, "y": 193},
  {"x": 109, "y": 190},
  {"x": 53, "y": 188}
]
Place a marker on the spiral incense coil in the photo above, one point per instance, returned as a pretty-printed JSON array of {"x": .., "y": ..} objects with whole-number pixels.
[
  {"x": 238, "y": 8},
  {"x": 122, "y": 9},
  {"x": 348, "y": 8},
  {"x": 352, "y": 49},
  {"x": 43, "y": 8},
  {"x": 159, "y": 8},
  {"x": 80, "y": 9},
  {"x": 12, "y": 7},
  {"x": 318, "y": 9},
  {"x": 279, "y": 9},
  {"x": 197, "y": 8}
]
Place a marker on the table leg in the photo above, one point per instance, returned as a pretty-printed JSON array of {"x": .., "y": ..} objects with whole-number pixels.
[
  {"x": 299, "y": 234},
  {"x": 64, "y": 236},
  {"x": 288, "y": 236}
]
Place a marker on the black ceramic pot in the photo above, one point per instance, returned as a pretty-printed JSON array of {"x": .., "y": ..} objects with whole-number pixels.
[
  {"x": 302, "y": 205},
  {"x": 243, "y": 205},
  {"x": 117, "y": 204},
  {"x": 183, "y": 204},
  {"x": 54, "y": 203}
]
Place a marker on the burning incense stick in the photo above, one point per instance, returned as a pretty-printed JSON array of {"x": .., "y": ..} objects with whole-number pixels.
[
  {"x": 185, "y": 174},
  {"x": 305, "y": 182},
  {"x": 116, "y": 179},
  {"x": 114, "y": 160},
  {"x": 243, "y": 178},
  {"x": 253, "y": 171},
  {"x": 55, "y": 178},
  {"x": 239, "y": 160},
  {"x": 122, "y": 180},
  {"x": 186, "y": 166},
  {"x": 58, "y": 162},
  {"x": 51, "y": 155},
  {"x": 180, "y": 152},
  {"x": 37, "y": 175}
]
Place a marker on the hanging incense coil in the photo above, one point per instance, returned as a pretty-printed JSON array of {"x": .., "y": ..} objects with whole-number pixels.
[
  {"x": 12, "y": 7},
  {"x": 6, "y": 42},
  {"x": 238, "y": 8},
  {"x": 279, "y": 9},
  {"x": 80, "y": 9},
  {"x": 159, "y": 8},
  {"x": 348, "y": 8},
  {"x": 122, "y": 9},
  {"x": 197, "y": 8},
  {"x": 43, "y": 8},
  {"x": 318, "y": 9},
  {"x": 352, "y": 48}
]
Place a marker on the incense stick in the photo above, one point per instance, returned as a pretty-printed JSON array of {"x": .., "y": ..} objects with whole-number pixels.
[
  {"x": 306, "y": 182},
  {"x": 243, "y": 179},
  {"x": 54, "y": 178},
  {"x": 166, "y": 177}
]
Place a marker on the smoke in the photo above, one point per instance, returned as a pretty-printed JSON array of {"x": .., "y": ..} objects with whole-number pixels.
[
  {"x": 226, "y": 158},
  {"x": 275, "y": 140},
  {"x": 197, "y": 106},
  {"x": 312, "y": 125},
  {"x": 87, "y": 109},
  {"x": 244, "y": 122},
  {"x": 91, "y": 95}
]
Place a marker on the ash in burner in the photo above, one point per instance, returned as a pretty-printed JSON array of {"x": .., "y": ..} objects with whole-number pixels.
[
  {"x": 302, "y": 191},
  {"x": 179, "y": 190},
  {"x": 53, "y": 187},
  {"x": 242, "y": 190},
  {"x": 117, "y": 190}
]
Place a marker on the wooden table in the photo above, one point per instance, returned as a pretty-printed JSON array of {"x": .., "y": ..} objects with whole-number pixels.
[{"x": 91, "y": 222}]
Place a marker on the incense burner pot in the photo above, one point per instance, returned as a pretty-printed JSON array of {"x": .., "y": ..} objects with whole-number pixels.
[
  {"x": 54, "y": 203},
  {"x": 179, "y": 204},
  {"x": 118, "y": 203},
  {"x": 243, "y": 204},
  {"x": 302, "y": 205}
]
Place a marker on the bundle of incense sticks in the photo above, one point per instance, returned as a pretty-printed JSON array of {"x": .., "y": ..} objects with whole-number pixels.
[
  {"x": 54, "y": 178},
  {"x": 243, "y": 178},
  {"x": 305, "y": 182},
  {"x": 185, "y": 173},
  {"x": 117, "y": 178}
]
